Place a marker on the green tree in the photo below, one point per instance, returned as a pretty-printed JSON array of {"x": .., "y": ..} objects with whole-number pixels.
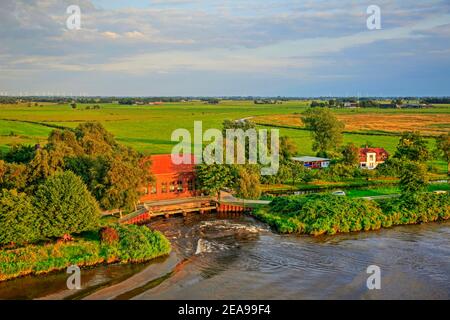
[
  {"x": 390, "y": 168},
  {"x": 350, "y": 154},
  {"x": 326, "y": 129},
  {"x": 413, "y": 179},
  {"x": 239, "y": 124},
  {"x": 13, "y": 175},
  {"x": 20, "y": 154},
  {"x": 288, "y": 148},
  {"x": 17, "y": 218},
  {"x": 443, "y": 149},
  {"x": 95, "y": 139},
  {"x": 112, "y": 172},
  {"x": 300, "y": 173},
  {"x": 65, "y": 206},
  {"x": 248, "y": 182},
  {"x": 44, "y": 164},
  {"x": 212, "y": 178},
  {"x": 412, "y": 146}
]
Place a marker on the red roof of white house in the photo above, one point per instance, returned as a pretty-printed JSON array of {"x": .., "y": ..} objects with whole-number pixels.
[
  {"x": 162, "y": 164},
  {"x": 381, "y": 154}
]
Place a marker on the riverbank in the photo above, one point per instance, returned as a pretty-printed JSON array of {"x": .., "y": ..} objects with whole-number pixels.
[
  {"x": 328, "y": 214},
  {"x": 132, "y": 244},
  {"x": 240, "y": 262}
]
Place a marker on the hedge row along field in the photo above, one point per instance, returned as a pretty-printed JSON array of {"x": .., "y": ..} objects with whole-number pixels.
[
  {"x": 329, "y": 214},
  {"x": 114, "y": 244}
]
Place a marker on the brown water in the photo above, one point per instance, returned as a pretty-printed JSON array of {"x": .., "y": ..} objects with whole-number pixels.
[{"x": 236, "y": 257}]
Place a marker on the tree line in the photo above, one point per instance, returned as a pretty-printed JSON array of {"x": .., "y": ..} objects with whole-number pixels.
[{"x": 59, "y": 188}]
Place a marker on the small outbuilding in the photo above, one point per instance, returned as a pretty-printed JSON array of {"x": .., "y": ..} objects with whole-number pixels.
[{"x": 313, "y": 162}]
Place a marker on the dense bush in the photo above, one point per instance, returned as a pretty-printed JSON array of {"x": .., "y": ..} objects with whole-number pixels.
[
  {"x": 428, "y": 207},
  {"x": 39, "y": 259},
  {"x": 328, "y": 214},
  {"x": 65, "y": 206},
  {"x": 17, "y": 218},
  {"x": 139, "y": 243}
]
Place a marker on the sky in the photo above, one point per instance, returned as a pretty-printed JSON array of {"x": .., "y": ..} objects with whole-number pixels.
[{"x": 299, "y": 48}]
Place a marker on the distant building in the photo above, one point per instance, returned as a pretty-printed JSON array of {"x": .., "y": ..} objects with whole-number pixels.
[
  {"x": 350, "y": 104},
  {"x": 313, "y": 162},
  {"x": 415, "y": 106},
  {"x": 370, "y": 158},
  {"x": 171, "y": 181}
]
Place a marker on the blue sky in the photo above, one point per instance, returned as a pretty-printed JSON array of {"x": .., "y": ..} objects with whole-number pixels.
[{"x": 226, "y": 47}]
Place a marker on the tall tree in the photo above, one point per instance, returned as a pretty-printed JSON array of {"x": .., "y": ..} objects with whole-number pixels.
[
  {"x": 112, "y": 172},
  {"x": 288, "y": 148},
  {"x": 248, "y": 182},
  {"x": 13, "y": 175},
  {"x": 443, "y": 148},
  {"x": 326, "y": 129},
  {"x": 413, "y": 179},
  {"x": 412, "y": 146},
  {"x": 212, "y": 178},
  {"x": 350, "y": 154}
]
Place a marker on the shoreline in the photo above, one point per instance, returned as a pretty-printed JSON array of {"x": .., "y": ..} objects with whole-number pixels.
[{"x": 84, "y": 252}]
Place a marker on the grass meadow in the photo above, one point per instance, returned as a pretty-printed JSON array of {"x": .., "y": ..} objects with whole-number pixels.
[{"x": 148, "y": 128}]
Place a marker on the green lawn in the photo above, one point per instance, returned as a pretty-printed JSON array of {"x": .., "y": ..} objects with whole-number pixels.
[{"x": 356, "y": 193}]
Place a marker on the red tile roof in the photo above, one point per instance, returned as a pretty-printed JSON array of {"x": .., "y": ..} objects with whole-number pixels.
[
  {"x": 162, "y": 164},
  {"x": 381, "y": 154}
]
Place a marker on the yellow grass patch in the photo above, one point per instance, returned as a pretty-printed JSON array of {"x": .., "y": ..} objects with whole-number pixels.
[{"x": 429, "y": 124}]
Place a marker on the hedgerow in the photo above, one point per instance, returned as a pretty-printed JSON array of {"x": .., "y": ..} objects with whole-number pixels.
[{"x": 329, "y": 214}]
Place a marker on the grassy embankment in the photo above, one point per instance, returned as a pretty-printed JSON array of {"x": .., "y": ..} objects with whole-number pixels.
[
  {"x": 328, "y": 214},
  {"x": 134, "y": 244}
]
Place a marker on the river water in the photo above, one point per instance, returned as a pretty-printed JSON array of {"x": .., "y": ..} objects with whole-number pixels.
[{"x": 236, "y": 257}]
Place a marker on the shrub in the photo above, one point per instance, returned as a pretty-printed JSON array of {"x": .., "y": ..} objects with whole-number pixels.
[
  {"x": 65, "y": 206},
  {"x": 109, "y": 235},
  {"x": 83, "y": 251},
  {"x": 139, "y": 243},
  {"x": 17, "y": 218}
]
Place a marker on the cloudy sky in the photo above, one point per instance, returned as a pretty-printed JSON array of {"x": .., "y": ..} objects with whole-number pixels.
[{"x": 225, "y": 47}]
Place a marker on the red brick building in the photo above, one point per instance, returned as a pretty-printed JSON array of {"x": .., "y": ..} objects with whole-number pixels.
[
  {"x": 171, "y": 181},
  {"x": 370, "y": 158}
]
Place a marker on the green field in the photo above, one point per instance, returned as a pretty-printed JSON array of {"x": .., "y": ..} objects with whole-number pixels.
[
  {"x": 148, "y": 128},
  {"x": 382, "y": 191}
]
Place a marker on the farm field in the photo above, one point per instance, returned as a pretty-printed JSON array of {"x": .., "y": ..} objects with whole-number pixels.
[
  {"x": 148, "y": 128},
  {"x": 427, "y": 123}
]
